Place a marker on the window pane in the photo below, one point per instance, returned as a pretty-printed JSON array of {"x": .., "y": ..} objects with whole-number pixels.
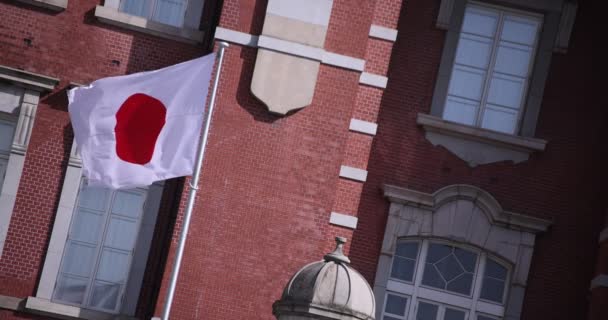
[
  {"x": 79, "y": 259},
  {"x": 407, "y": 249},
  {"x": 495, "y": 270},
  {"x": 480, "y": 21},
  {"x": 87, "y": 226},
  {"x": 170, "y": 12},
  {"x": 437, "y": 252},
  {"x": 467, "y": 82},
  {"x": 395, "y": 304},
  {"x": 482, "y": 317},
  {"x": 426, "y": 311},
  {"x": 451, "y": 314},
  {"x": 449, "y": 268},
  {"x": 128, "y": 204},
  {"x": 432, "y": 278},
  {"x": 499, "y": 119},
  {"x": 105, "y": 296},
  {"x": 506, "y": 91},
  {"x": 94, "y": 198},
  {"x": 473, "y": 51},
  {"x": 70, "y": 289},
  {"x": 403, "y": 268},
  {"x": 121, "y": 234},
  {"x": 513, "y": 59},
  {"x": 7, "y": 130},
  {"x": 3, "y": 164},
  {"x": 113, "y": 266},
  {"x": 460, "y": 110},
  {"x": 136, "y": 7},
  {"x": 462, "y": 284},
  {"x": 519, "y": 29},
  {"x": 492, "y": 289},
  {"x": 445, "y": 270},
  {"x": 467, "y": 259},
  {"x": 389, "y": 318}
]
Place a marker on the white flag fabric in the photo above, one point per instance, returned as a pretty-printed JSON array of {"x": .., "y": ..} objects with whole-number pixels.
[{"x": 140, "y": 128}]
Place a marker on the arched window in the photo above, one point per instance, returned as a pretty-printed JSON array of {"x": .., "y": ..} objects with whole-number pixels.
[{"x": 440, "y": 280}]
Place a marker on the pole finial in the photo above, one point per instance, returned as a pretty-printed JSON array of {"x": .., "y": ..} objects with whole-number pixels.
[
  {"x": 337, "y": 255},
  {"x": 223, "y": 44}
]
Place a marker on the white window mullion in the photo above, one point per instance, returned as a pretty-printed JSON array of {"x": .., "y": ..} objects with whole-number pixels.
[
  {"x": 418, "y": 278},
  {"x": 99, "y": 250},
  {"x": 478, "y": 283},
  {"x": 486, "y": 87}
]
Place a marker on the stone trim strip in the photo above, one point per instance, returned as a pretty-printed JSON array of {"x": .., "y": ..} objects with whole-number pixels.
[
  {"x": 237, "y": 37},
  {"x": 566, "y": 24},
  {"x": 48, "y": 308},
  {"x": 527, "y": 144},
  {"x": 10, "y": 303},
  {"x": 114, "y": 17},
  {"x": 314, "y": 53},
  {"x": 34, "y": 81},
  {"x": 603, "y": 235},
  {"x": 373, "y": 80},
  {"x": 484, "y": 200},
  {"x": 342, "y": 61},
  {"x": 353, "y": 173},
  {"x": 379, "y": 32},
  {"x": 54, "y": 5},
  {"x": 601, "y": 280},
  {"x": 343, "y": 220},
  {"x": 362, "y": 126},
  {"x": 289, "y": 47}
]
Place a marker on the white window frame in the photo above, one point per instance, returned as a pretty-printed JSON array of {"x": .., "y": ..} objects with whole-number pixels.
[
  {"x": 468, "y": 216},
  {"x": 152, "y": 10},
  {"x": 50, "y": 270},
  {"x": 5, "y": 154},
  {"x": 32, "y": 85},
  {"x": 472, "y": 304},
  {"x": 501, "y": 12},
  {"x": 99, "y": 251},
  {"x": 110, "y": 12}
]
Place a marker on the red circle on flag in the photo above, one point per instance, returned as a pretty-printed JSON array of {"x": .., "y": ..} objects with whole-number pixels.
[{"x": 139, "y": 121}]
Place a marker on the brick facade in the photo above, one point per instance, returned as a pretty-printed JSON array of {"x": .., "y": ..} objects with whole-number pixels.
[{"x": 269, "y": 183}]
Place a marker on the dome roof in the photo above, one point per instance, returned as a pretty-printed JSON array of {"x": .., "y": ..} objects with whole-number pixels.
[{"x": 330, "y": 288}]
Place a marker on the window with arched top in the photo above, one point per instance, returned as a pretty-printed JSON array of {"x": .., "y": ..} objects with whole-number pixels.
[
  {"x": 432, "y": 279},
  {"x": 454, "y": 254}
]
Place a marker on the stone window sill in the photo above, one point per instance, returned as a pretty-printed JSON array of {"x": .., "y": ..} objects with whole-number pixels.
[
  {"x": 136, "y": 23},
  {"x": 478, "y": 146},
  {"x": 54, "y": 5},
  {"x": 48, "y": 308}
]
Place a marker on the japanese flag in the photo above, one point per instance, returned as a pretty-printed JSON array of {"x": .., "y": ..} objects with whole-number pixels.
[{"x": 136, "y": 129}]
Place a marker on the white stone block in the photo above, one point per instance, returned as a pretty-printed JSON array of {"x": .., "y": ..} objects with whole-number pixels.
[
  {"x": 343, "y": 220},
  {"x": 353, "y": 173},
  {"x": 363, "y": 126}
]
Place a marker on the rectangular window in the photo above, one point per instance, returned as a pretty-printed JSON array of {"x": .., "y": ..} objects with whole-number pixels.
[
  {"x": 492, "y": 68},
  {"x": 100, "y": 246},
  {"x": 7, "y": 130},
  {"x": 171, "y": 12}
]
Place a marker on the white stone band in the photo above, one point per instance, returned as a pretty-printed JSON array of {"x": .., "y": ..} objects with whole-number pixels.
[
  {"x": 601, "y": 280},
  {"x": 373, "y": 80},
  {"x": 363, "y": 126},
  {"x": 343, "y": 220},
  {"x": 383, "y": 33},
  {"x": 353, "y": 173},
  {"x": 310, "y": 52}
]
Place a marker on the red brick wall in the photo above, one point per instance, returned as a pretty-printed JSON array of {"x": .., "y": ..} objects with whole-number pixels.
[
  {"x": 74, "y": 47},
  {"x": 269, "y": 183},
  {"x": 563, "y": 183}
]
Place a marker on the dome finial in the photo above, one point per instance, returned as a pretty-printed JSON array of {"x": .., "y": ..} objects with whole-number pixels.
[{"x": 337, "y": 255}]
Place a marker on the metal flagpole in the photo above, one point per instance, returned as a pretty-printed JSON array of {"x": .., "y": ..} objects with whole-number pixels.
[{"x": 193, "y": 186}]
